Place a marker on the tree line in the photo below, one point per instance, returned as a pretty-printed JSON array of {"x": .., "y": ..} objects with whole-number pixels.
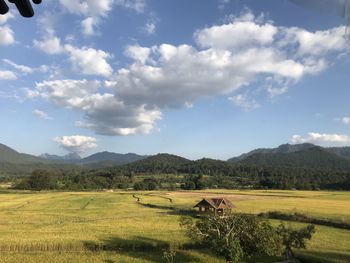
[{"x": 189, "y": 175}]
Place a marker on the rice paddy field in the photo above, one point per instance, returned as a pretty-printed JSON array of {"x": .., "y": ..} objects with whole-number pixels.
[{"x": 125, "y": 226}]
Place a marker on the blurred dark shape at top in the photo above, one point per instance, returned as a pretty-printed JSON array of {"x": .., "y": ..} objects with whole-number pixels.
[
  {"x": 335, "y": 7},
  {"x": 24, "y": 7}
]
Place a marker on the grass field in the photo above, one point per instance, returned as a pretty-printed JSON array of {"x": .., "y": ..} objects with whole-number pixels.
[{"x": 114, "y": 227}]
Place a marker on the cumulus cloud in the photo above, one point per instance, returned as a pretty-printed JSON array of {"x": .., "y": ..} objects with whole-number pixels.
[
  {"x": 6, "y": 17},
  {"x": 76, "y": 143},
  {"x": 242, "y": 32},
  {"x": 88, "y": 61},
  {"x": 316, "y": 43},
  {"x": 104, "y": 113},
  {"x": 7, "y": 75},
  {"x": 6, "y": 36},
  {"x": 41, "y": 115},
  {"x": 49, "y": 44},
  {"x": 226, "y": 59},
  {"x": 323, "y": 139}
]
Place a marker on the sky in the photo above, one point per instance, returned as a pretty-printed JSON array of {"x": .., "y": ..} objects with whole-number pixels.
[{"x": 198, "y": 78}]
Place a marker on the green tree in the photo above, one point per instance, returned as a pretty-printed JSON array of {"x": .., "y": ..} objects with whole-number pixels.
[
  {"x": 235, "y": 236},
  {"x": 41, "y": 180},
  {"x": 294, "y": 238}
]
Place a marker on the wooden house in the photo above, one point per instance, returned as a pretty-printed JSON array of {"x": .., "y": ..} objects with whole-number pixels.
[{"x": 217, "y": 206}]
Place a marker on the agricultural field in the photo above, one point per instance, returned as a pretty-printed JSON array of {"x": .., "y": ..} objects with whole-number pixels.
[{"x": 124, "y": 226}]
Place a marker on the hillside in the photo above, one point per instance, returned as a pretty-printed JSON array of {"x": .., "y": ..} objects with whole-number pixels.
[
  {"x": 300, "y": 157},
  {"x": 111, "y": 158},
  {"x": 284, "y": 148},
  {"x": 8, "y": 155},
  {"x": 340, "y": 151},
  {"x": 71, "y": 157},
  {"x": 160, "y": 163}
]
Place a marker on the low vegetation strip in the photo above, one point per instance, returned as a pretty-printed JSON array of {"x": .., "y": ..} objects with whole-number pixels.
[
  {"x": 298, "y": 217},
  {"x": 43, "y": 247},
  {"x": 87, "y": 203}
]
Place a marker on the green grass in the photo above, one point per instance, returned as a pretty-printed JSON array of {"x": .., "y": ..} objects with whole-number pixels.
[{"x": 113, "y": 227}]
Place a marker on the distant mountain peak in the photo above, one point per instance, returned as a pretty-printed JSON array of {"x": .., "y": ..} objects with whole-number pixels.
[{"x": 67, "y": 157}]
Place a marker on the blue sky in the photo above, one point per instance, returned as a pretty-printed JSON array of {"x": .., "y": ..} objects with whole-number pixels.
[{"x": 197, "y": 78}]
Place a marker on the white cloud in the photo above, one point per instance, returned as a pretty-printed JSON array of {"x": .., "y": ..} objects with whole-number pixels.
[
  {"x": 138, "y": 53},
  {"x": 273, "y": 92},
  {"x": 89, "y": 25},
  {"x": 242, "y": 101},
  {"x": 316, "y": 43},
  {"x": 150, "y": 28},
  {"x": 21, "y": 68},
  {"x": 25, "y": 69},
  {"x": 104, "y": 113},
  {"x": 137, "y": 5},
  {"x": 242, "y": 32},
  {"x": 50, "y": 45},
  {"x": 93, "y": 10},
  {"x": 89, "y": 61},
  {"x": 223, "y": 3},
  {"x": 6, "y": 17},
  {"x": 7, "y": 75},
  {"x": 41, "y": 115},
  {"x": 323, "y": 139},
  {"x": 76, "y": 143},
  {"x": 346, "y": 120},
  {"x": 66, "y": 93},
  {"x": 6, "y": 36},
  {"x": 88, "y": 7}
]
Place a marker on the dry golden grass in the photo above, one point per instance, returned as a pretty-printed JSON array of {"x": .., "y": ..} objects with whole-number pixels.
[{"x": 114, "y": 227}]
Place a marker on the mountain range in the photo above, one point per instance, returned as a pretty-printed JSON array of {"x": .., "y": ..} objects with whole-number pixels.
[{"x": 297, "y": 156}]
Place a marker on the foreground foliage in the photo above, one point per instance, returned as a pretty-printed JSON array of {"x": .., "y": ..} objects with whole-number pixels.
[
  {"x": 294, "y": 238},
  {"x": 235, "y": 236}
]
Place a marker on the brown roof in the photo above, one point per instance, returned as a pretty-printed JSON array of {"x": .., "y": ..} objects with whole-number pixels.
[{"x": 216, "y": 203}]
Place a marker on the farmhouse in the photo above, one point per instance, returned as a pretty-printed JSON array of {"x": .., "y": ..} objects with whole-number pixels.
[{"x": 218, "y": 206}]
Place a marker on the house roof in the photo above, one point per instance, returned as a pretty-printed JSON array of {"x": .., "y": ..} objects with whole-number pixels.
[{"x": 216, "y": 203}]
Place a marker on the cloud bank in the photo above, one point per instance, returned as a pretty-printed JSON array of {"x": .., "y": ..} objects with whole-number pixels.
[
  {"x": 322, "y": 138},
  {"x": 226, "y": 60}
]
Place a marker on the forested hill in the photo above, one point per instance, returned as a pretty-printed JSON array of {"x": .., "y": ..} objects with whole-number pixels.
[
  {"x": 8, "y": 155},
  {"x": 110, "y": 158},
  {"x": 160, "y": 163},
  {"x": 15, "y": 163},
  {"x": 284, "y": 148},
  {"x": 311, "y": 158},
  {"x": 340, "y": 151}
]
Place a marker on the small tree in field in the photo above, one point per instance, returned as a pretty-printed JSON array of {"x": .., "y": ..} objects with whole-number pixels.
[
  {"x": 234, "y": 236},
  {"x": 169, "y": 254},
  {"x": 294, "y": 238}
]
